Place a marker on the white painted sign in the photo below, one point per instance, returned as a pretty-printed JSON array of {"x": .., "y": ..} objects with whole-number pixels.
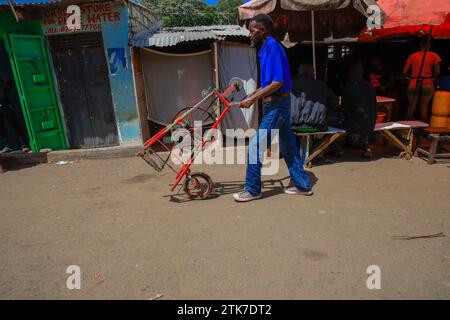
[{"x": 93, "y": 15}]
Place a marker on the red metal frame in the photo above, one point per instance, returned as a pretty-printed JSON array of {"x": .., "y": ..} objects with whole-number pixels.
[{"x": 157, "y": 138}]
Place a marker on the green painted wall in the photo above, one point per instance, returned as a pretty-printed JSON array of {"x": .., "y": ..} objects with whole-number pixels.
[{"x": 8, "y": 24}]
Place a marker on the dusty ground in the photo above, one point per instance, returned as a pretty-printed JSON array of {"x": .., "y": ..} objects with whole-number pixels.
[{"x": 117, "y": 221}]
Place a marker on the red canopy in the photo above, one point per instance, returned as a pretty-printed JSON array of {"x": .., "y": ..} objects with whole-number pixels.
[
  {"x": 409, "y": 17},
  {"x": 337, "y": 18}
]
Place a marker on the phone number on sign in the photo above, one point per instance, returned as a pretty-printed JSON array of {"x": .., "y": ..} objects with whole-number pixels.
[{"x": 84, "y": 27}]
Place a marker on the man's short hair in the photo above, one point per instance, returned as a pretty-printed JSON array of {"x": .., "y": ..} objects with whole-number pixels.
[{"x": 264, "y": 19}]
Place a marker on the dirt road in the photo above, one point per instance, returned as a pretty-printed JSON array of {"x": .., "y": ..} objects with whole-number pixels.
[{"x": 117, "y": 221}]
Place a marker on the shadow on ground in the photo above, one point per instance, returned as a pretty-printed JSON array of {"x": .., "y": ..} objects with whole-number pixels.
[{"x": 271, "y": 187}]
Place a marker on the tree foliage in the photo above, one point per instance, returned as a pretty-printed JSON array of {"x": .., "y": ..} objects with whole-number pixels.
[
  {"x": 227, "y": 10},
  {"x": 177, "y": 13}
]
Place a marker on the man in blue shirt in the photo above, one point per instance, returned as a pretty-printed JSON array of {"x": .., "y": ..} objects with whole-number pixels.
[{"x": 275, "y": 92}]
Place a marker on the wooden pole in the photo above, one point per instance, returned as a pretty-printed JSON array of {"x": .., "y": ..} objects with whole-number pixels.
[
  {"x": 13, "y": 10},
  {"x": 313, "y": 38}
]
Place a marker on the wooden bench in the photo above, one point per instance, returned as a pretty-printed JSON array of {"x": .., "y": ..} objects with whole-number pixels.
[{"x": 436, "y": 135}]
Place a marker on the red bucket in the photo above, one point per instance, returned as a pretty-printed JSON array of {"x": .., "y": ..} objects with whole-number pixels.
[{"x": 380, "y": 117}]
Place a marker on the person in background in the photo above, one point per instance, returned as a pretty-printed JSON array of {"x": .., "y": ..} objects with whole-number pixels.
[
  {"x": 314, "y": 90},
  {"x": 380, "y": 78},
  {"x": 385, "y": 82},
  {"x": 430, "y": 73},
  {"x": 360, "y": 109}
]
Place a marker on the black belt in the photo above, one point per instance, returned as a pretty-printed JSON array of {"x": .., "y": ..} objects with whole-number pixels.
[{"x": 276, "y": 97}]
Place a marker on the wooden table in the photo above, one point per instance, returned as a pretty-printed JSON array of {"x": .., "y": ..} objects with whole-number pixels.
[
  {"x": 387, "y": 127},
  {"x": 334, "y": 133},
  {"x": 305, "y": 143}
]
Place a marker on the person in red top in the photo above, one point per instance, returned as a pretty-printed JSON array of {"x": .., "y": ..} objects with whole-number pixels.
[{"x": 430, "y": 73}]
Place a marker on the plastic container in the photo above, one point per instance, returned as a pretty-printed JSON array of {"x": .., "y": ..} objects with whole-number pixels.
[
  {"x": 439, "y": 121},
  {"x": 440, "y": 111},
  {"x": 380, "y": 117}
]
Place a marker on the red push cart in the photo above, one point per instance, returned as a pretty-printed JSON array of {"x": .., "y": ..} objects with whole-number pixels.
[{"x": 197, "y": 185}]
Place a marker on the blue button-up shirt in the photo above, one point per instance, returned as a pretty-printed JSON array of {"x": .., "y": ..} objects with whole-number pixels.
[{"x": 274, "y": 65}]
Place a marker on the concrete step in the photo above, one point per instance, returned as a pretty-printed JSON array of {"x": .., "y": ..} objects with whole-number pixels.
[
  {"x": 124, "y": 150},
  {"x": 28, "y": 158}
]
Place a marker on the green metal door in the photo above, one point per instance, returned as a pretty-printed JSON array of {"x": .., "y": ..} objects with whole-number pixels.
[{"x": 30, "y": 64}]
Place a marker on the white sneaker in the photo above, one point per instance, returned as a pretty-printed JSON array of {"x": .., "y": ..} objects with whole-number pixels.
[
  {"x": 6, "y": 150},
  {"x": 295, "y": 190},
  {"x": 245, "y": 196}
]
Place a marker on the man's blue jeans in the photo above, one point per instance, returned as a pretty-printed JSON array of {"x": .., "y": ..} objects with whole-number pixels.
[{"x": 277, "y": 115}]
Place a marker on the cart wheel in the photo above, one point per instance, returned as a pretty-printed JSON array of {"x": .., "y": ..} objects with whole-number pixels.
[{"x": 198, "y": 186}]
